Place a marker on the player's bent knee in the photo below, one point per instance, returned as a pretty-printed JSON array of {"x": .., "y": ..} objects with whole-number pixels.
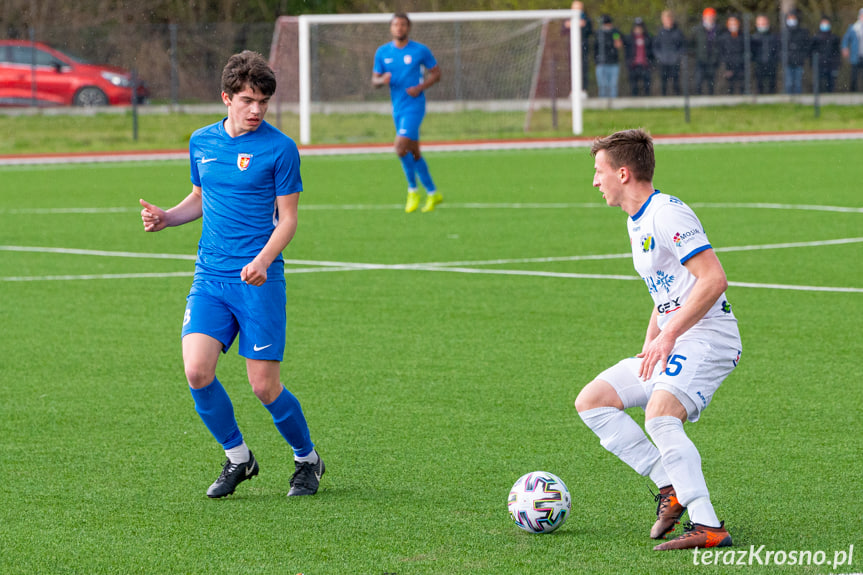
[
  {"x": 199, "y": 376},
  {"x": 663, "y": 403},
  {"x": 597, "y": 393},
  {"x": 266, "y": 392}
]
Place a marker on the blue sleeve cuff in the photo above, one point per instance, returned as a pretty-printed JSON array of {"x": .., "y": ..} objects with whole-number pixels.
[{"x": 694, "y": 252}]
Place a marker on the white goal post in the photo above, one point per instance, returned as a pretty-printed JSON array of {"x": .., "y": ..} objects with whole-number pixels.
[{"x": 305, "y": 23}]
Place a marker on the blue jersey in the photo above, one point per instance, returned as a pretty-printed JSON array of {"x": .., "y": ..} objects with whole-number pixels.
[
  {"x": 406, "y": 66},
  {"x": 240, "y": 178}
]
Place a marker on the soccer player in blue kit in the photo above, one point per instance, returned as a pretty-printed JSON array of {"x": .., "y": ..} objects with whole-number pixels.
[
  {"x": 399, "y": 64},
  {"x": 691, "y": 345},
  {"x": 246, "y": 185}
]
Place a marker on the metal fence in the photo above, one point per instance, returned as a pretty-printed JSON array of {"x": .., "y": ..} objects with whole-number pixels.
[{"x": 182, "y": 63}]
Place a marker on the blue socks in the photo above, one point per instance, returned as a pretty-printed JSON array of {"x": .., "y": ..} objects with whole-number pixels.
[
  {"x": 217, "y": 412},
  {"x": 291, "y": 423},
  {"x": 409, "y": 166},
  {"x": 422, "y": 171},
  {"x": 414, "y": 168}
]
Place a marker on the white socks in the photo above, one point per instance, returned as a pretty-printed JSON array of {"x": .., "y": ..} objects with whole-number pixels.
[
  {"x": 239, "y": 454},
  {"x": 619, "y": 434},
  {"x": 682, "y": 462},
  {"x": 310, "y": 458}
]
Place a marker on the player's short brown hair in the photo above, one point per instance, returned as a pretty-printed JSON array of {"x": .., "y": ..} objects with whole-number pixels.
[
  {"x": 630, "y": 148},
  {"x": 248, "y": 69}
]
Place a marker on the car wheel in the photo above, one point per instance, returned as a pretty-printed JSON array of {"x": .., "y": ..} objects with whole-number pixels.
[{"x": 90, "y": 96}]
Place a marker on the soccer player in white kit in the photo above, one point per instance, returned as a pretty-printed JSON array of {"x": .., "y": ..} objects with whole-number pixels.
[{"x": 691, "y": 345}]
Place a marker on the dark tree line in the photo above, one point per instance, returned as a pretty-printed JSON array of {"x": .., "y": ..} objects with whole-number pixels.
[{"x": 19, "y": 15}]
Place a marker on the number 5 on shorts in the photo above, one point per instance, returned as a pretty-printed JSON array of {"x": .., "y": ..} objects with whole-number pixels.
[{"x": 674, "y": 365}]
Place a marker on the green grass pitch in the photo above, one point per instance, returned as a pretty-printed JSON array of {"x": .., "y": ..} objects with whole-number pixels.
[{"x": 429, "y": 390}]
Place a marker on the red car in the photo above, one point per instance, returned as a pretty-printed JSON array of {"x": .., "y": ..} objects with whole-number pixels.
[{"x": 61, "y": 80}]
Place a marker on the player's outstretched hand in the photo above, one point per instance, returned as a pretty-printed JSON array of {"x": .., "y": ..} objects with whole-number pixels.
[
  {"x": 154, "y": 217},
  {"x": 254, "y": 273}
]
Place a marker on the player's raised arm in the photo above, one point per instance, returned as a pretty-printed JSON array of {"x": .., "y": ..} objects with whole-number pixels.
[{"x": 156, "y": 219}]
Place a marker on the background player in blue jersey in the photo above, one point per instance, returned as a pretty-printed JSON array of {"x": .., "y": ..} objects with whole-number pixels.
[
  {"x": 399, "y": 64},
  {"x": 692, "y": 343},
  {"x": 246, "y": 185}
]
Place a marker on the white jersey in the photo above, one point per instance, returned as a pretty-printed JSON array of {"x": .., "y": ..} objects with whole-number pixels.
[{"x": 665, "y": 234}]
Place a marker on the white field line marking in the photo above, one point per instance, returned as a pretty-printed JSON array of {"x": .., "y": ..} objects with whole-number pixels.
[
  {"x": 528, "y": 273},
  {"x": 78, "y": 252},
  {"x": 620, "y": 277},
  {"x": 453, "y": 206},
  {"x": 148, "y": 275},
  {"x": 455, "y": 267},
  {"x": 629, "y": 255},
  {"x": 45, "y": 211},
  {"x": 157, "y": 155},
  {"x": 797, "y": 288},
  {"x": 761, "y": 206},
  {"x": 817, "y": 243},
  {"x": 97, "y": 277},
  {"x": 360, "y": 265}
]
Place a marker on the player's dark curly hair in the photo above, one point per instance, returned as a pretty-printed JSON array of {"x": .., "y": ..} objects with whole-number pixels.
[
  {"x": 401, "y": 16},
  {"x": 248, "y": 69},
  {"x": 630, "y": 148}
]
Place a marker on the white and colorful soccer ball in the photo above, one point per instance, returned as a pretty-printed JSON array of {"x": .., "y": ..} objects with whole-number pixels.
[{"x": 539, "y": 502}]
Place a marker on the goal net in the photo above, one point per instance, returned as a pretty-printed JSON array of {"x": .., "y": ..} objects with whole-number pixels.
[{"x": 504, "y": 73}]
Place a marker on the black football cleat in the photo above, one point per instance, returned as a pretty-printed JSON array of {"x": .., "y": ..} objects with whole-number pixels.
[{"x": 232, "y": 475}]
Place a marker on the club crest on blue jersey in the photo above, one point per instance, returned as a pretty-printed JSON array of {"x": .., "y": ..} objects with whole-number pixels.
[
  {"x": 243, "y": 161},
  {"x": 408, "y": 59}
]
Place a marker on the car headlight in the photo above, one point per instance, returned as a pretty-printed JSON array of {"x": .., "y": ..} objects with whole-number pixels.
[{"x": 120, "y": 80}]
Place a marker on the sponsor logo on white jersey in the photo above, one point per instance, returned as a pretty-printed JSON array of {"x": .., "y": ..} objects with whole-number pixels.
[{"x": 681, "y": 238}]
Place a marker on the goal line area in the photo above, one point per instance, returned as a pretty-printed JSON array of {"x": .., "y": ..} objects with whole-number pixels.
[{"x": 502, "y": 71}]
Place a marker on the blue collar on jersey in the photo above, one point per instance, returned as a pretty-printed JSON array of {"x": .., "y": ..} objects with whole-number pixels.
[{"x": 643, "y": 207}]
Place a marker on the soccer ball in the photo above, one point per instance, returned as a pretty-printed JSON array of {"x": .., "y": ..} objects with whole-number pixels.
[{"x": 539, "y": 502}]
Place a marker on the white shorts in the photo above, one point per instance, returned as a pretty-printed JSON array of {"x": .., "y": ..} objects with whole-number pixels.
[{"x": 696, "y": 368}]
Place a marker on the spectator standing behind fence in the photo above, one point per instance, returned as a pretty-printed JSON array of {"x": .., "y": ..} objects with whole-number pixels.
[
  {"x": 765, "y": 48},
  {"x": 639, "y": 56},
  {"x": 799, "y": 48},
  {"x": 826, "y": 45},
  {"x": 586, "y": 31},
  {"x": 732, "y": 54},
  {"x": 607, "y": 44},
  {"x": 705, "y": 39},
  {"x": 667, "y": 51},
  {"x": 852, "y": 48}
]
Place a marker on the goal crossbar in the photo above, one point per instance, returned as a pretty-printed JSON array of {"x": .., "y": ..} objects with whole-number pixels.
[{"x": 306, "y": 20}]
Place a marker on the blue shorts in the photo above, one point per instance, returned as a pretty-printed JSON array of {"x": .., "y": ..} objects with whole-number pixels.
[
  {"x": 222, "y": 310},
  {"x": 408, "y": 124}
]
